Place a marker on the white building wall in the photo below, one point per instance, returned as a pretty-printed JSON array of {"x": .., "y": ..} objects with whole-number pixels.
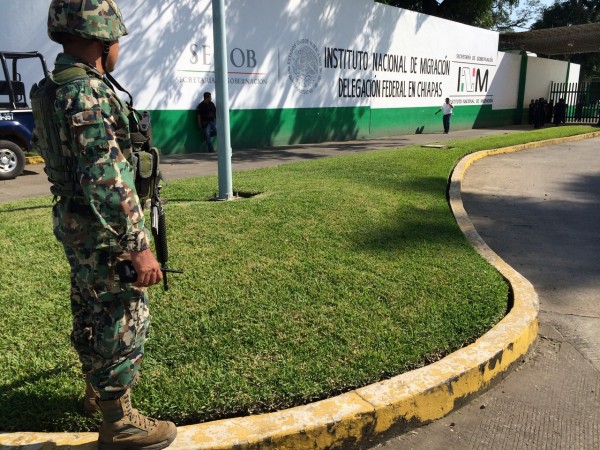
[
  {"x": 505, "y": 88},
  {"x": 542, "y": 72}
]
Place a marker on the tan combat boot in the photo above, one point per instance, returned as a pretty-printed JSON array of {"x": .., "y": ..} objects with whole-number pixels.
[
  {"x": 124, "y": 428},
  {"x": 91, "y": 396}
]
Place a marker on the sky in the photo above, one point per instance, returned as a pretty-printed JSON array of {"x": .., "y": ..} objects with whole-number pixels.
[{"x": 544, "y": 3}]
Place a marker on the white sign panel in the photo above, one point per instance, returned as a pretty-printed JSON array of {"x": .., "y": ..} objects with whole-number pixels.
[
  {"x": 309, "y": 53},
  {"x": 422, "y": 59}
]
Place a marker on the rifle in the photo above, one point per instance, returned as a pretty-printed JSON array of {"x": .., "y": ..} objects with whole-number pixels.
[
  {"x": 127, "y": 273},
  {"x": 147, "y": 183},
  {"x": 159, "y": 232}
]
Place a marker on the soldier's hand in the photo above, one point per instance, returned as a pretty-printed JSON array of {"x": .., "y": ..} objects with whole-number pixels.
[{"x": 147, "y": 268}]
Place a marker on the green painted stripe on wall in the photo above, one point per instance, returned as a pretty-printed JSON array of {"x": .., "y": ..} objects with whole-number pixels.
[
  {"x": 271, "y": 127},
  {"x": 519, "y": 114},
  {"x": 388, "y": 122},
  {"x": 176, "y": 132}
]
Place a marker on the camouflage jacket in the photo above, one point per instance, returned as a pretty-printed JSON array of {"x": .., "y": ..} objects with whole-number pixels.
[{"x": 94, "y": 129}]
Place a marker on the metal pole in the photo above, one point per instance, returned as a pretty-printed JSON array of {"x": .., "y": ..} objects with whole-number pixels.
[{"x": 222, "y": 94}]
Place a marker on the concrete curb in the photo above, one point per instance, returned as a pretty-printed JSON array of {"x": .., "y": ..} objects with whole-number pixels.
[
  {"x": 405, "y": 401},
  {"x": 34, "y": 160}
]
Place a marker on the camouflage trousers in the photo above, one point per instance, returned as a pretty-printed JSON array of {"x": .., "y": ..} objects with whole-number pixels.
[{"x": 111, "y": 320}]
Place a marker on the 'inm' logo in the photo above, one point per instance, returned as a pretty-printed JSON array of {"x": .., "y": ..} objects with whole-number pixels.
[{"x": 472, "y": 79}]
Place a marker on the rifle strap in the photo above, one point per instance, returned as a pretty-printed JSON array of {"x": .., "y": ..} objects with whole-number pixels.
[{"x": 116, "y": 84}]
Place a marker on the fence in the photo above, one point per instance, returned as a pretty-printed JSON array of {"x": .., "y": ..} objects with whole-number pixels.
[{"x": 582, "y": 99}]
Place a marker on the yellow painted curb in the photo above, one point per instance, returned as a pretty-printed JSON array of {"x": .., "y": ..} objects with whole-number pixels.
[
  {"x": 406, "y": 401},
  {"x": 33, "y": 160}
]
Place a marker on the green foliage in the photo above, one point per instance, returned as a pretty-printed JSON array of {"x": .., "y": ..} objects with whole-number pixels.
[
  {"x": 339, "y": 273},
  {"x": 569, "y": 12},
  {"x": 490, "y": 14}
]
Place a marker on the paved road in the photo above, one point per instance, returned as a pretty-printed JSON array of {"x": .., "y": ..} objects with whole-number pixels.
[{"x": 540, "y": 211}]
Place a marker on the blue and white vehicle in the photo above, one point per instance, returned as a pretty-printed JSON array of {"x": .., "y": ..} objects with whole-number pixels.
[{"x": 16, "y": 117}]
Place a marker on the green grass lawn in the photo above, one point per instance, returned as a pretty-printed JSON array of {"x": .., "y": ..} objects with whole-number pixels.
[{"x": 340, "y": 272}]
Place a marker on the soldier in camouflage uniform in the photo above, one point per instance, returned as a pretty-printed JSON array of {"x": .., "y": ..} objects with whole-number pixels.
[{"x": 83, "y": 133}]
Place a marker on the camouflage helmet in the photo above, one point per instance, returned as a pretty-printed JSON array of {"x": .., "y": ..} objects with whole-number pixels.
[{"x": 89, "y": 19}]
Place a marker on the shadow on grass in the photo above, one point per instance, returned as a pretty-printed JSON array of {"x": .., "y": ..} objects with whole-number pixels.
[
  {"x": 25, "y": 208},
  {"x": 422, "y": 218},
  {"x": 412, "y": 233},
  {"x": 28, "y": 406}
]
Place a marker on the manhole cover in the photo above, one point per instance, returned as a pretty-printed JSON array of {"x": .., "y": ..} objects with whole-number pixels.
[{"x": 435, "y": 146}]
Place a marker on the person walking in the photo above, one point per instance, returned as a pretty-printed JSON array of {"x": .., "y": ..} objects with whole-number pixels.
[
  {"x": 446, "y": 110},
  {"x": 206, "y": 116},
  {"x": 83, "y": 131}
]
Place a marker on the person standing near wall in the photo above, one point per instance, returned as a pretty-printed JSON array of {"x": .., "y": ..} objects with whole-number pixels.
[
  {"x": 531, "y": 111},
  {"x": 446, "y": 110},
  {"x": 539, "y": 112},
  {"x": 206, "y": 116},
  {"x": 560, "y": 112},
  {"x": 84, "y": 132}
]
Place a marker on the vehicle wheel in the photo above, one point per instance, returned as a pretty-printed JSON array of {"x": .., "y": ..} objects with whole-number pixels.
[{"x": 12, "y": 160}]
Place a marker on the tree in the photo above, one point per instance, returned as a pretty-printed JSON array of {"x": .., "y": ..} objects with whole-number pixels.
[
  {"x": 499, "y": 15},
  {"x": 574, "y": 12},
  {"x": 569, "y": 12}
]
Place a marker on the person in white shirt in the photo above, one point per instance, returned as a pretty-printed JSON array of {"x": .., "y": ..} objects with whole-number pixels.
[{"x": 446, "y": 108}]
